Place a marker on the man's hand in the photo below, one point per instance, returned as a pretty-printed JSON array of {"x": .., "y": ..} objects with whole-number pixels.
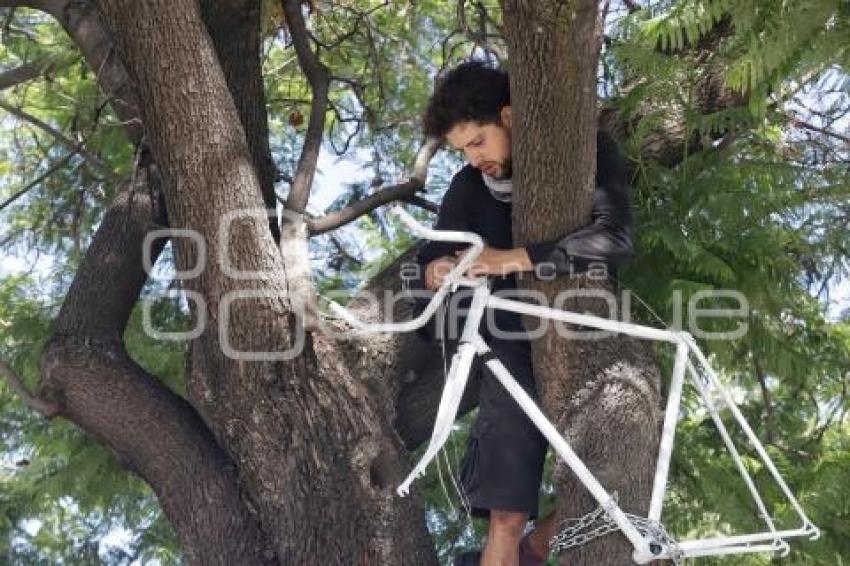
[
  {"x": 494, "y": 261},
  {"x": 437, "y": 270}
]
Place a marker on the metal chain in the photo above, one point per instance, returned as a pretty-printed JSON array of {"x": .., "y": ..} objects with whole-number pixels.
[
  {"x": 576, "y": 532},
  {"x": 597, "y": 523}
]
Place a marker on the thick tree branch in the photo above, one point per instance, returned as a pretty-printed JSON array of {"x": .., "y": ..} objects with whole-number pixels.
[
  {"x": 402, "y": 191},
  {"x": 88, "y": 375},
  {"x": 193, "y": 477},
  {"x": 34, "y": 402},
  {"x": 407, "y": 362},
  {"x": 334, "y": 220},
  {"x": 198, "y": 484},
  {"x": 241, "y": 62},
  {"x": 287, "y": 423},
  {"x": 319, "y": 78}
]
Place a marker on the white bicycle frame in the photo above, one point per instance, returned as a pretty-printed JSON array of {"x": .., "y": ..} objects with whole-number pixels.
[{"x": 646, "y": 548}]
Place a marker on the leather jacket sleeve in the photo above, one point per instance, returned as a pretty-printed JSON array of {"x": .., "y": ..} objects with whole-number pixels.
[{"x": 608, "y": 239}]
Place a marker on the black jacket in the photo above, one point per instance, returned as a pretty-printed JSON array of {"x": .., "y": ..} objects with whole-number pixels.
[{"x": 469, "y": 206}]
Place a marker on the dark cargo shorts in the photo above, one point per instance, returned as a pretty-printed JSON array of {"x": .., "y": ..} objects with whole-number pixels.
[{"x": 503, "y": 465}]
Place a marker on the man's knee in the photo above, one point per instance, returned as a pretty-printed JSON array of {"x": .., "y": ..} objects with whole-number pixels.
[{"x": 508, "y": 523}]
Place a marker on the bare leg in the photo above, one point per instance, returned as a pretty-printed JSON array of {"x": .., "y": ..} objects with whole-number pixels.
[{"x": 502, "y": 548}]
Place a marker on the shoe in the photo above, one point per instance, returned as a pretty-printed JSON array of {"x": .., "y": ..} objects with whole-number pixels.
[
  {"x": 527, "y": 555},
  {"x": 472, "y": 558}
]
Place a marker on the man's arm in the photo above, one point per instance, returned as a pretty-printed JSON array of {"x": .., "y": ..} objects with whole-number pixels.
[
  {"x": 607, "y": 240},
  {"x": 451, "y": 216}
]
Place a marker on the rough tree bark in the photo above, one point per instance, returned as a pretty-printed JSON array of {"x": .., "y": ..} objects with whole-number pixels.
[
  {"x": 89, "y": 377},
  {"x": 602, "y": 394},
  {"x": 311, "y": 442},
  {"x": 314, "y": 448},
  {"x": 235, "y": 28}
]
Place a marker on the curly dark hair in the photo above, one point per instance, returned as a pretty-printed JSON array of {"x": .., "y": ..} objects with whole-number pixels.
[{"x": 471, "y": 92}]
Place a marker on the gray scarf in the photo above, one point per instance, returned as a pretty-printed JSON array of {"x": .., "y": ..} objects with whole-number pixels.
[{"x": 499, "y": 188}]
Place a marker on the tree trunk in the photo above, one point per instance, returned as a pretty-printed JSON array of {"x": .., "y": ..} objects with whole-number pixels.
[
  {"x": 311, "y": 441},
  {"x": 88, "y": 375},
  {"x": 234, "y": 27},
  {"x": 602, "y": 394}
]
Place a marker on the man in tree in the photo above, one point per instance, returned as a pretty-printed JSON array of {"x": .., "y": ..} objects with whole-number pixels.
[{"x": 502, "y": 469}]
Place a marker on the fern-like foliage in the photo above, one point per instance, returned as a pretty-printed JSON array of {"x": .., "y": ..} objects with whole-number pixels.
[{"x": 772, "y": 39}]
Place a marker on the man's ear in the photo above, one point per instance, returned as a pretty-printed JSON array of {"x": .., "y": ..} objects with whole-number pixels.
[{"x": 505, "y": 116}]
